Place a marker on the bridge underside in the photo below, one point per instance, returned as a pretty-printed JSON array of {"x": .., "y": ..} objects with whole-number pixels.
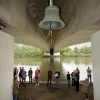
[{"x": 21, "y": 18}]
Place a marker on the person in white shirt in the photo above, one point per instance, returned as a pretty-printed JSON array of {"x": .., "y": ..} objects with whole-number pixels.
[
  {"x": 57, "y": 76},
  {"x": 89, "y": 71}
]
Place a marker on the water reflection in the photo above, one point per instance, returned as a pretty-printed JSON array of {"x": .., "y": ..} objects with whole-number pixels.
[
  {"x": 64, "y": 64},
  {"x": 77, "y": 60}
]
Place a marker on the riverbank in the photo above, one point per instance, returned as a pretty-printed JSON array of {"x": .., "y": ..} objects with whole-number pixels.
[{"x": 42, "y": 92}]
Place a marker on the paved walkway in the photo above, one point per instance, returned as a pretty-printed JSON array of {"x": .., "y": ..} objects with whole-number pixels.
[{"x": 42, "y": 92}]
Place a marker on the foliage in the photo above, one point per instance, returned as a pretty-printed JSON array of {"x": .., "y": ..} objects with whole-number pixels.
[
  {"x": 23, "y": 51},
  {"x": 85, "y": 50},
  {"x": 76, "y": 52},
  {"x": 67, "y": 49}
]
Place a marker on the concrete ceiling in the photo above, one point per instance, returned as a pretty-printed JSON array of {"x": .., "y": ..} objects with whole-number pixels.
[{"x": 21, "y": 19}]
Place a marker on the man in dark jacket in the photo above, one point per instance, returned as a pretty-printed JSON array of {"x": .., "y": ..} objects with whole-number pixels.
[
  {"x": 30, "y": 72},
  {"x": 68, "y": 79},
  {"x": 77, "y": 80},
  {"x": 49, "y": 76}
]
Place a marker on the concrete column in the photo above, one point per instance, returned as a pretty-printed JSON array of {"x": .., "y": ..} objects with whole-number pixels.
[
  {"x": 6, "y": 66},
  {"x": 95, "y": 44}
]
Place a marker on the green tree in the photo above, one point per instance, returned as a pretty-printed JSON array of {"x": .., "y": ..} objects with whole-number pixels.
[
  {"x": 67, "y": 49},
  {"x": 22, "y": 51},
  {"x": 76, "y": 50},
  {"x": 85, "y": 50}
]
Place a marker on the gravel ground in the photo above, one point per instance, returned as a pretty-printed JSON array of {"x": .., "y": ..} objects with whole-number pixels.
[{"x": 42, "y": 92}]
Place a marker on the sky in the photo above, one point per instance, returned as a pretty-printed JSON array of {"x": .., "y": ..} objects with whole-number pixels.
[{"x": 81, "y": 45}]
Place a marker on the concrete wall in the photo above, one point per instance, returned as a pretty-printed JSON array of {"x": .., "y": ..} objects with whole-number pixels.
[
  {"x": 6, "y": 65},
  {"x": 95, "y": 44}
]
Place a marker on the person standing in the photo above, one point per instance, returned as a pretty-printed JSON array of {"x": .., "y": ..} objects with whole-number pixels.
[
  {"x": 73, "y": 78},
  {"x": 57, "y": 76},
  {"x": 78, "y": 70},
  {"x": 49, "y": 76},
  {"x": 20, "y": 75},
  {"x": 15, "y": 88},
  {"x": 37, "y": 75},
  {"x": 30, "y": 72},
  {"x": 77, "y": 80},
  {"x": 85, "y": 87},
  {"x": 89, "y": 71},
  {"x": 68, "y": 79},
  {"x": 15, "y": 71},
  {"x": 24, "y": 75}
]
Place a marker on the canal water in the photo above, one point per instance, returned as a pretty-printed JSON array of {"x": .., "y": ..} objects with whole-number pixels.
[{"x": 64, "y": 64}]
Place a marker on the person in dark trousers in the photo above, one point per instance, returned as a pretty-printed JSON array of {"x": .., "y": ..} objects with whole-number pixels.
[
  {"x": 15, "y": 71},
  {"x": 30, "y": 72},
  {"x": 49, "y": 76},
  {"x": 77, "y": 80},
  {"x": 89, "y": 71},
  {"x": 24, "y": 75},
  {"x": 20, "y": 75},
  {"x": 68, "y": 79},
  {"x": 73, "y": 78},
  {"x": 57, "y": 76}
]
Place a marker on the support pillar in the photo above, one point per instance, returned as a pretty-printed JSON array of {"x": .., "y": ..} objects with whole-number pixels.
[
  {"x": 51, "y": 51},
  {"x": 6, "y": 66},
  {"x": 95, "y": 45}
]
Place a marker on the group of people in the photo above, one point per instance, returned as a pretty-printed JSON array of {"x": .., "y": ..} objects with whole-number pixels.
[
  {"x": 22, "y": 79},
  {"x": 72, "y": 78},
  {"x": 75, "y": 76},
  {"x": 57, "y": 77},
  {"x": 23, "y": 74}
]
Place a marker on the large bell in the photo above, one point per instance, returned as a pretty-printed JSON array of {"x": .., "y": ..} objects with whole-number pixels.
[{"x": 51, "y": 20}]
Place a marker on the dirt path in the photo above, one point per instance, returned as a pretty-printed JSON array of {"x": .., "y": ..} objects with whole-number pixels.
[{"x": 41, "y": 92}]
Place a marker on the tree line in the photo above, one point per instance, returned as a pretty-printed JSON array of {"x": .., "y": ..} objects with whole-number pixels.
[
  {"x": 23, "y": 51},
  {"x": 84, "y": 51}
]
